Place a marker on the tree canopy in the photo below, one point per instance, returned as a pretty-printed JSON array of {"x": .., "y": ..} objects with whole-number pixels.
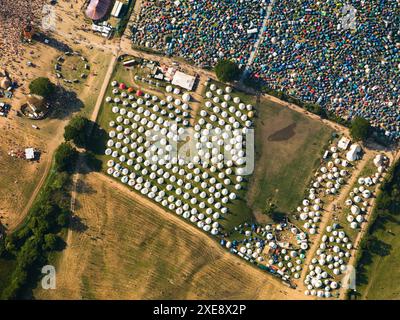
[
  {"x": 65, "y": 157},
  {"x": 76, "y": 131},
  {"x": 360, "y": 129},
  {"x": 42, "y": 87},
  {"x": 227, "y": 71}
]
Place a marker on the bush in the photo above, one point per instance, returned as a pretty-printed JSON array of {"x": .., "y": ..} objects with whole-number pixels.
[
  {"x": 316, "y": 109},
  {"x": 360, "y": 129},
  {"x": 76, "y": 131},
  {"x": 227, "y": 71},
  {"x": 42, "y": 87},
  {"x": 65, "y": 157},
  {"x": 2, "y": 246}
]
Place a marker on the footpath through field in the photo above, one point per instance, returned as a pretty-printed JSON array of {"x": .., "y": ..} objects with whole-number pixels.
[{"x": 260, "y": 39}]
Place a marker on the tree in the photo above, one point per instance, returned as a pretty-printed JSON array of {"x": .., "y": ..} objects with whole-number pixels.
[
  {"x": 51, "y": 242},
  {"x": 2, "y": 246},
  {"x": 360, "y": 129},
  {"x": 76, "y": 131},
  {"x": 59, "y": 182},
  {"x": 42, "y": 87},
  {"x": 63, "y": 218},
  {"x": 65, "y": 157},
  {"x": 227, "y": 71}
]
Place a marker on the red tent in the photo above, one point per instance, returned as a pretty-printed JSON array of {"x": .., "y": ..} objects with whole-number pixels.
[
  {"x": 139, "y": 93},
  {"x": 122, "y": 86},
  {"x": 97, "y": 9}
]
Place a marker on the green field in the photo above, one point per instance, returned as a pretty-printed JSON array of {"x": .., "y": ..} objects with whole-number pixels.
[
  {"x": 289, "y": 147},
  {"x": 378, "y": 267},
  {"x": 383, "y": 273}
]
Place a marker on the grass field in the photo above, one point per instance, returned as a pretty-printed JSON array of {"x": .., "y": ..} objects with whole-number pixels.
[
  {"x": 288, "y": 148},
  {"x": 18, "y": 176},
  {"x": 378, "y": 266},
  {"x": 127, "y": 248},
  {"x": 383, "y": 272}
]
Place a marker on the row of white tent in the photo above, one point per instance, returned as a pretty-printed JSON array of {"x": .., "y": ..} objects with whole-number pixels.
[{"x": 197, "y": 191}]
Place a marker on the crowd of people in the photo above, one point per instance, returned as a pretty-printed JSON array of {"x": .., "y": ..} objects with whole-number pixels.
[
  {"x": 202, "y": 31},
  {"x": 14, "y": 16},
  {"x": 343, "y": 58}
]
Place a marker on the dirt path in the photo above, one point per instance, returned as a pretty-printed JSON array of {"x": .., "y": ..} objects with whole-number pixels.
[
  {"x": 104, "y": 87},
  {"x": 260, "y": 39},
  {"x": 136, "y": 9}
]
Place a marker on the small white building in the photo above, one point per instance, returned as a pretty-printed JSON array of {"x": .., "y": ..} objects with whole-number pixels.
[
  {"x": 116, "y": 11},
  {"x": 29, "y": 154},
  {"x": 183, "y": 80},
  {"x": 344, "y": 143}
]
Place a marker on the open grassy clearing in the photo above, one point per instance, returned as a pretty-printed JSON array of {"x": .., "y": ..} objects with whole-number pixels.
[
  {"x": 18, "y": 176},
  {"x": 383, "y": 271},
  {"x": 127, "y": 248},
  {"x": 289, "y": 147}
]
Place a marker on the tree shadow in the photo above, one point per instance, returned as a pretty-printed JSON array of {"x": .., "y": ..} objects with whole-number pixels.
[
  {"x": 84, "y": 188},
  {"x": 381, "y": 221},
  {"x": 97, "y": 140},
  {"x": 362, "y": 272},
  {"x": 77, "y": 225},
  {"x": 63, "y": 103},
  {"x": 278, "y": 216},
  {"x": 52, "y": 42}
]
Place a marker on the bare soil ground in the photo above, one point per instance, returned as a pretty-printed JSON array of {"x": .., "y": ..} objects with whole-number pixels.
[
  {"x": 125, "y": 247},
  {"x": 21, "y": 179}
]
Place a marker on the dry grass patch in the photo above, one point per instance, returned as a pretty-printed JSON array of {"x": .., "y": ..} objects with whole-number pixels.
[{"x": 131, "y": 249}]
